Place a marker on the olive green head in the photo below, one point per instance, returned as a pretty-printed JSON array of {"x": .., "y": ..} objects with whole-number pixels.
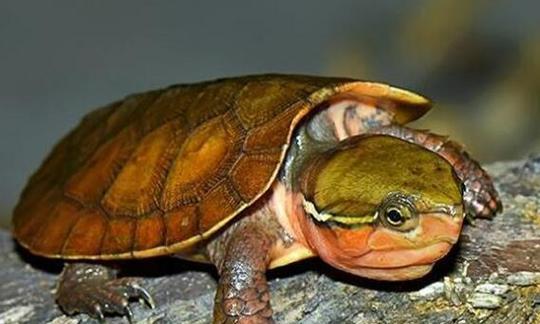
[
  {"x": 353, "y": 182},
  {"x": 381, "y": 207}
]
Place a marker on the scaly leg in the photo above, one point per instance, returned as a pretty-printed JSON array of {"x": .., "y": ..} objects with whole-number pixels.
[
  {"x": 480, "y": 197},
  {"x": 94, "y": 289},
  {"x": 242, "y": 295}
]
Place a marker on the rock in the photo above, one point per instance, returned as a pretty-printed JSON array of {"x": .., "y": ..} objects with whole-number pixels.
[
  {"x": 487, "y": 269},
  {"x": 524, "y": 278},
  {"x": 488, "y": 301},
  {"x": 489, "y": 288},
  {"x": 429, "y": 292}
]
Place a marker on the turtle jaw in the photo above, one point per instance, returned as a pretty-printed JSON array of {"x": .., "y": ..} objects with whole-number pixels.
[
  {"x": 376, "y": 252},
  {"x": 425, "y": 260}
]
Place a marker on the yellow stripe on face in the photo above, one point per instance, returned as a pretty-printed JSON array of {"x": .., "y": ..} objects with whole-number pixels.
[
  {"x": 354, "y": 220},
  {"x": 310, "y": 208}
]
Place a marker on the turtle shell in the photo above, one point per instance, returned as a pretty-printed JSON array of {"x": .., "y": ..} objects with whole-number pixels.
[{"x": 156, "y": 172}]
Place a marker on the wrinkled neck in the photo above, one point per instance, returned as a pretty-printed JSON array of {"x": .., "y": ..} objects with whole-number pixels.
[
  {"x": 332, "y": 122},
  {"x": 287, "y": 207}
]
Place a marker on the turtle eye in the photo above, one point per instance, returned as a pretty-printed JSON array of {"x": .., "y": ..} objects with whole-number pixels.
[
  {"x": 398, "y": 213},
  {"x": 394, "y": 216}
]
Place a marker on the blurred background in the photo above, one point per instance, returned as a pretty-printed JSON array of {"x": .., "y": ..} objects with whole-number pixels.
[{"x": 478, "y": 60}]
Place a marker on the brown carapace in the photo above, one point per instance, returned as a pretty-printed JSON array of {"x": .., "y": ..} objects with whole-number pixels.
[{"x": 156, "y": 172}]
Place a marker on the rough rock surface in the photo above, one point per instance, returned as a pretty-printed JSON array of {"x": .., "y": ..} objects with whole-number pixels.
[{"x": 493, "y": 276}]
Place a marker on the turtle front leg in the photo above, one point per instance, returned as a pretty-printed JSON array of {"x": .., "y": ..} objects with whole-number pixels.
[
  {"x": 480, "y": 196},
  {"x": 95, "y": 290},
  {"x": 242, "y": 258}
]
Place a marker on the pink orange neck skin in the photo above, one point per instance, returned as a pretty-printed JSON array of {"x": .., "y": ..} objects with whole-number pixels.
[{"x": 370, "y": 251}]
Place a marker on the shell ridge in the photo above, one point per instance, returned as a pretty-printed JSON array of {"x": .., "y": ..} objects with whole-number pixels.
[
  {"x": 134, "y": 237},
  {"x": 173, "y": 162},
  {"x": 158, "y": 170},
  {"x": 113, "y": 107},
  {"x": 139, "y": 135},
  {"x": 42, "y": 226},
  {"x": 75, "y": 199},
  {"x": 167, "y": 171},
  {"x": 103, "y": 235},
  {"x": 69, "y": 232},
  {"x": 221, "y": 174},
  {"x": 198, "y": 217},
  {"x": 51, "y": 219},
  {"x": 117, "y": 168},
  {"x": 164, "y": 230},
  {"x": 234, "y": 104},
  {"x": 166, "y": 179},
  {"x": 198, "y": 212}
]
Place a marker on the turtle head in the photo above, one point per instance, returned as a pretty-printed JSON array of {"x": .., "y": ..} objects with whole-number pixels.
[{"x": 380, "y": 207}]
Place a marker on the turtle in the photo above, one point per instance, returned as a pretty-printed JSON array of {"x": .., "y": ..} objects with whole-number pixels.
[{"x": 249, "y": 174}]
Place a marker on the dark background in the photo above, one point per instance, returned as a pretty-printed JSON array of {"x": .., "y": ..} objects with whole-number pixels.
[{"x": 478, "y": 60}]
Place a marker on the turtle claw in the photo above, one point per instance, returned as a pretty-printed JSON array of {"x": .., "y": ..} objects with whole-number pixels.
[
  {"x": 94, "y": 290},
  {"x": 99, "y": 313},
  {"x": 129, "y": 314},
  {"x": 144, "y": 296},
  {"x": 111, "y": 297}
]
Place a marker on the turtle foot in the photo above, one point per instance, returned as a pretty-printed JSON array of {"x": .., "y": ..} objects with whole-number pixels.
[
  {"x": 480, "y": 197},
  {"x": 95, "y": 291}
]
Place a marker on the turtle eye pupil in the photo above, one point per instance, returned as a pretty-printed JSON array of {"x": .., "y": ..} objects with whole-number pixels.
[{"x": 394, "y": 217}]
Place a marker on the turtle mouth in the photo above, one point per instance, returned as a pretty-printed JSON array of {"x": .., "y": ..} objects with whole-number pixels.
[
  {"x": 398, "y": 264},
  {"x": 392, "y": 259}
]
